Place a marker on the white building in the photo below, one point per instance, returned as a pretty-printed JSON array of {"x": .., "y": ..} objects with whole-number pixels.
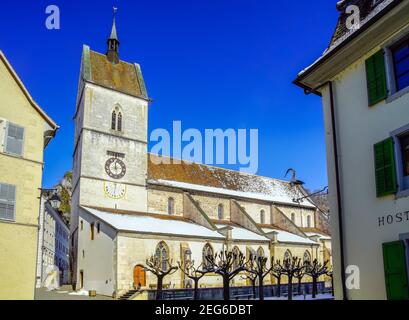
[
  {"x": 53, "y": 242},
  {"x": 363, "y": 78},
  {"x": 128, "y": 204}
]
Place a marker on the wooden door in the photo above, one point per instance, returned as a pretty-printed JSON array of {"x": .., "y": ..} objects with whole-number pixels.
[{"x": 139, "y": 276}]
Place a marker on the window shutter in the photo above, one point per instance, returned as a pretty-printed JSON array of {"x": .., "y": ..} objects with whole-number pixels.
[
  {"x": 376, "y": 78},
  {"x": 396, "y": 277},
  {"x": 385, "y": 168},
  {"x": 15, "y": 138},
  {"x": 7, "y": 201}
]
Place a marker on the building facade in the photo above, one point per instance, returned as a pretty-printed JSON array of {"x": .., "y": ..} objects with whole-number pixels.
[
  {"x": 25, "y": 130},
  {"x": 363, "y": 80},
  {"x": 53, "y": 243},
  {"x": 128, "y": 205}
]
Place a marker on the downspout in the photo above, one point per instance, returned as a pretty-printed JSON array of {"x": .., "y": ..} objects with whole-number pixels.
[
  {"x": 339, "y": 199},
  {"x": 315, "y": 91}
]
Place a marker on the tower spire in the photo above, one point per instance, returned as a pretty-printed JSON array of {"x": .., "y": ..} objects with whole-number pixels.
[{"x": 113, "y": 42}]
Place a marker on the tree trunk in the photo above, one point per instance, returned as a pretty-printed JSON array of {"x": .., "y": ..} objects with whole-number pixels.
[
  {"x": 314, "y": 286},
  {"x": 226, "y": 287},
  {"x": 159, "y": 288},
  {"x": 299, "y": 286},
  {"x": 279, "y": 287},
  {"x": 196, "y": 290},
  {"x": 260, "y": 287},
  {"x": 253, "y": 284},
  {"x": 290, "y": 288}
]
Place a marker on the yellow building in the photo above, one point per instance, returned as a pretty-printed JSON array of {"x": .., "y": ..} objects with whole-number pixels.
[{"x": 25, "y": 130}]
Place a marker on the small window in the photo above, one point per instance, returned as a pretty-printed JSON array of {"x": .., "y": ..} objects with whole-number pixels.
[
  {"x": 220, "y": 212},
  {"x": 7, "y": 201},
  {"x": 308, "y": 221},
  {"x": 262, "y": 217},
  {"x": 293, "y": 217},
  {"x": 82, "y": 225},
  {"x": 98, "y": 227},
  {"x": 92, "y": 235},
  {"x": 404, "y": 151},
  {"x": 400, "y": 54},
  {"x": 14, "y": 139},
  {"x": 171, "y": 206}
]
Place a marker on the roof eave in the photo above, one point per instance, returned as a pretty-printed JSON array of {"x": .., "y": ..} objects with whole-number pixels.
[{"x": 300, "y": 79}]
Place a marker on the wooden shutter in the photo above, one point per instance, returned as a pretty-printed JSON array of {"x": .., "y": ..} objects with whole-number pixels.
[
  {"x": 15, "y": 138},
  {"x": 376, "y": 78},
  {"x": 396, "y": 276},
  {"x": 385, "y": 168}
]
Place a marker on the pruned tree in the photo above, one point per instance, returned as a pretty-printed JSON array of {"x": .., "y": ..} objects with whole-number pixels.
[
  {"x": 290, "y": 267},
  {"x": 277, "y": 273},
  {"x": 258, "y": 266},
  {"x": 227, "y": 264},
  {"x": 299, "y": 275},
  {"x": 160, "y": 268},
  {"x": 315, "y": 270},
  {"x": 252, "y": 277},
  {"x": 189, "y": 270}
]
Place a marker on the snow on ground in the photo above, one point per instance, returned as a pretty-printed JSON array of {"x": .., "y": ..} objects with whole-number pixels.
[
  {"x": 79, "y": 293},
  {"x": 326, "y": 296}
]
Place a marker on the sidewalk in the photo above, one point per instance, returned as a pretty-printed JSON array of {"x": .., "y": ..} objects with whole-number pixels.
[{"x": 65, "y": 293}]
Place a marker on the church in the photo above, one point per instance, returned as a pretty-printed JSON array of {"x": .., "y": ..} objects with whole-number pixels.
[{"x": 128, "y": 205}]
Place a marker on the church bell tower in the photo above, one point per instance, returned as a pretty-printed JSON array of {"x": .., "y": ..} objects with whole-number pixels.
[{"x": 110, "y": 141}]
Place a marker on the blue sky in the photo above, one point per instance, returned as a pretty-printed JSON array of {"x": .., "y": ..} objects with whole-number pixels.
[{"x": 208, "y": 63}]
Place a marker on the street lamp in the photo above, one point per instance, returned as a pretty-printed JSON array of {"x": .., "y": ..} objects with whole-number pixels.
[{"x": 55, "y": 201}]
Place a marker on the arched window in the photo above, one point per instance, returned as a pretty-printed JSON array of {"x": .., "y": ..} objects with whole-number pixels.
[
  {"x": 171, "y": 206},
  {"x": 293, "y": 217},
  {"x": 162, "y": 255},
  {"x": 220, "y": 212},
  {"x": 119, "y": 122},
  {"x": 116, "y": 119},
  {"x": 251, "y": 253},
  {"x": 187, "y": 256},
  {"x": 207, "y": 252},
  {"x": 260, "y": 252},
  {"x": 113, "y": 120},
  {"x": 308, "y": 221},
  {"x": 262, "y": 217},
  {"x": 307, "y": 256},
  {"x": 287, "y": 255},
  {"x": 236, "y": 257}
]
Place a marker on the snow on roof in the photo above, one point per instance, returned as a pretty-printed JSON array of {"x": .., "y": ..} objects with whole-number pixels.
[
  {"x": 147, "y": 224},
  {"x": 313, "y": 234},
  {"x": 277, "y": 193},
  {"x": 239, "y": 233},
  {"x": 287, "y": 237}
]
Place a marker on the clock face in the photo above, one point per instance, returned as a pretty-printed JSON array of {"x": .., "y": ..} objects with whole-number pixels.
[
  {"x": 115, "y": 168},
  {"x": 114, "y": 190}
]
